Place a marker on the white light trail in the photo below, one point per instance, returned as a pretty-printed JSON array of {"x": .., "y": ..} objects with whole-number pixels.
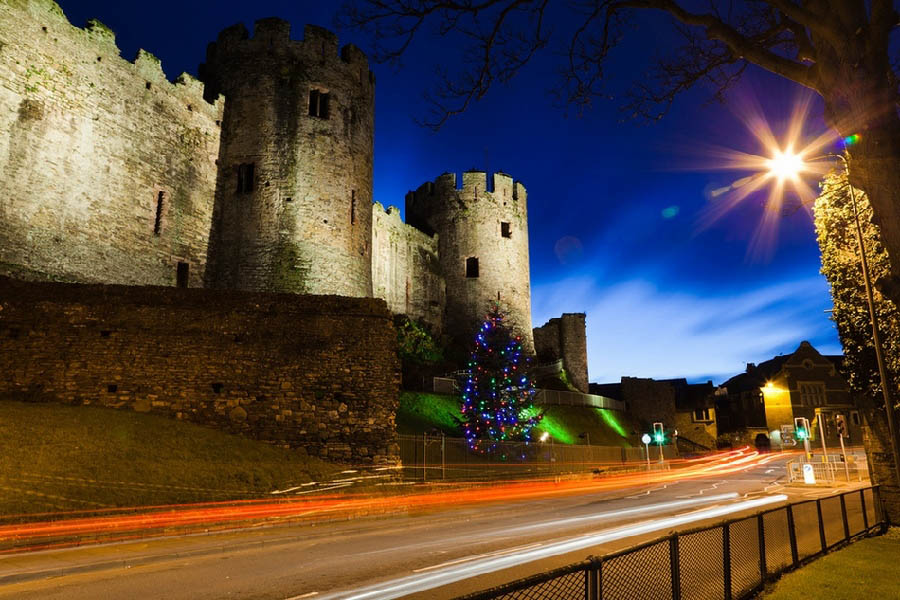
[{"x": 417, "y": 583}]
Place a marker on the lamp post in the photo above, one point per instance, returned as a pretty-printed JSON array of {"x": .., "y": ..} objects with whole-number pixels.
[
  {"x": 786, "y": 163},
  {"x": 876, "y": 336}
]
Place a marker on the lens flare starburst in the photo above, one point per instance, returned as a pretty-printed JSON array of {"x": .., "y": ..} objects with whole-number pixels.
[{"x": 781, "y": 169}]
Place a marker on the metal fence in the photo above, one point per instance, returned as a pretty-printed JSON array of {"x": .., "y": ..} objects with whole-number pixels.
[
  {"x": 436, "y": 457},
  {"x": 835, "y": 469},
  {"x": 731, "y": 560}
]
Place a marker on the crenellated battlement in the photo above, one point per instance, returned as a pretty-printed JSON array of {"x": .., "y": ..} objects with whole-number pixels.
[
  {"x": 146, "y": 67},
  {"x": 272, "y": 36},
  {"x": 442, "y": 194}
]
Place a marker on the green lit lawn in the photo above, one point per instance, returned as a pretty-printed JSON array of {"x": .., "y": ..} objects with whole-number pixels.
[
  {"x": 865, "y": 569},
  {"x": 55, "y": 457},
  {"x": 421, "y": 412}
]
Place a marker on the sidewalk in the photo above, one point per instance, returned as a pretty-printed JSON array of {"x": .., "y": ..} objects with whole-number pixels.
[{"x": 865, "y": 569}]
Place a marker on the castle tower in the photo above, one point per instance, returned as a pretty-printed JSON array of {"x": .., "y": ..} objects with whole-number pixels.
[
  {"x": 294, "y": 191},
  {"x": 482, "y": 232}
]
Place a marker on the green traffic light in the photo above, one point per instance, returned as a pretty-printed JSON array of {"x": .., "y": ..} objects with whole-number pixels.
[
  {"x": 658, "y": 438},
  {"x": 802, "y": 434}
]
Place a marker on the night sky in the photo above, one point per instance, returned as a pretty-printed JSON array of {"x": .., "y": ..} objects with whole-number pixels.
[{"x": 616, "y": 206}]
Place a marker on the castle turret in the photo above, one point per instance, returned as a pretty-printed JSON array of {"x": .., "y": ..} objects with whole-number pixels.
[
  {"x": 293, "y": 199},
  {"x": 482, "y": 232}
]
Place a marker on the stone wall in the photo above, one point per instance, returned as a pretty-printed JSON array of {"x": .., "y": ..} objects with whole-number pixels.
[
  {"x": 406, "y": 272},
  {"x": 302, "y": 116},
  {"x": 319, "y": 372},
  {"x": 565, "y": 337},
  {"x": 483, "y": 223},
  {"x": 107, "y": 169},
  {"x": 649, "y": 401}
]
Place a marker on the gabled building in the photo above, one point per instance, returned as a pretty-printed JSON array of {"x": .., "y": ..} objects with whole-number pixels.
[{"x": 757, "y": 403}]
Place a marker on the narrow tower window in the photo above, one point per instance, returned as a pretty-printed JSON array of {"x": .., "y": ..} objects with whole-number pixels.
[
  {"x": 505, "y": 230},
  {"x": 472, "y": 267},
  {"x": 353, "y": 207},
  {"x": 318, "y": 104},
  {"x": 181, "y": 274},
  {"x": 160, "y": 211},
  {"x": 245, "y": 178}
]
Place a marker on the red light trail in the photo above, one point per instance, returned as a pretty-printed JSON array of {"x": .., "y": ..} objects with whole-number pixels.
[{"x": 113, "y": 525}]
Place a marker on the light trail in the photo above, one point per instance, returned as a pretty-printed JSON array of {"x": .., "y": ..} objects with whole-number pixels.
[
  {"x": 120, "y": 524},
  {"x": 457, "y": 572}
]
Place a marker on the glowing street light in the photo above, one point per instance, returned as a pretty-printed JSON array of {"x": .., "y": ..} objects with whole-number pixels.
[{"x": 785, "y": 165}]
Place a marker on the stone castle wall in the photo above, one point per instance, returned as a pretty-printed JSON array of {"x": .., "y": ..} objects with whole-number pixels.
[
  {"x": 565, "y": 337},
  {"x": 107, "y": 169},
  {"x": 406, "y": 272},
  {"x": 319, "y": 372},
  {"x": 302, "y": 114},
  {"x": 485, "y": 220}
]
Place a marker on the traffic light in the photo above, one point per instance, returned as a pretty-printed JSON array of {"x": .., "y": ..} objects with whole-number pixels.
[
  {"x": 659, "y": 434},
  {"x": 801, "y": 428},
  {"x": 841, "y": 421}
]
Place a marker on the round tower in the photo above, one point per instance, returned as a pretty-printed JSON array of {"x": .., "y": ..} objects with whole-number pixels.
[
  {"x": 482, "y": 232},
  {"x": 293, "y": 200}
]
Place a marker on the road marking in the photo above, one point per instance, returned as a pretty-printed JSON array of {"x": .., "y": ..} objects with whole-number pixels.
[
  {"x": 646, "y": 492},
  {"x": 309, "y": 595}
]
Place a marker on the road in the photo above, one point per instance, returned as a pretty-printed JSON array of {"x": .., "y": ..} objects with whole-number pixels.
[{"x": 435, "y": 552}]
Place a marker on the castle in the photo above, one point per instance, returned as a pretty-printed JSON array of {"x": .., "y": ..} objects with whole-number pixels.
[{"x": 256, "y": 177}]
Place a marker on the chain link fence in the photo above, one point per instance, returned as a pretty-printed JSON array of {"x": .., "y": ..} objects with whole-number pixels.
[
  {"x": 731, "y": 560},
  {"x": 436, "y": 457}
]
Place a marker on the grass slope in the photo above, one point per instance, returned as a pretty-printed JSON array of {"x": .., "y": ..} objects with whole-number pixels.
[
  {"x": 421, "y": 412},
  {"x": 55, "y": 457},
  {"x": 865, "y": 569}
]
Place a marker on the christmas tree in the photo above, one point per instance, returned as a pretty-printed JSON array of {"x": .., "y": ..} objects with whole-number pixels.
[{"x": 497, "y": 393}]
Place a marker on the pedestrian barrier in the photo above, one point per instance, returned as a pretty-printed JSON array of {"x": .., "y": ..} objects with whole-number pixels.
[
  {"x": 437, "y": 457},
  {"x": 731, "y": 560}
]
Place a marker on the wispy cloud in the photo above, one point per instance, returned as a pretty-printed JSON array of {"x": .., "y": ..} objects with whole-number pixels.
[{"x": 635, "y": 328}]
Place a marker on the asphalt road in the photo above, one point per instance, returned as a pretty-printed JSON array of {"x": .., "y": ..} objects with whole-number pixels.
[{"x": 436, "y": 554}]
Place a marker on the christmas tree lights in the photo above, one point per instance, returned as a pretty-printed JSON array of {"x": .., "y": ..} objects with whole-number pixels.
[{"x": 497, "y": 394}]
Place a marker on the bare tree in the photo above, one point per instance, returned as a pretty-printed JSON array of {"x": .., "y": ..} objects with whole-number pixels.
[{"x": 838, "y": 48}]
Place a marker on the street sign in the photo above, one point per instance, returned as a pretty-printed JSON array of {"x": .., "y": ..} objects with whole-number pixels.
[
  {"x": 787, "y": 436},
  {"x": 809, "y": 475},
  {"x": 645, "y": 439}
]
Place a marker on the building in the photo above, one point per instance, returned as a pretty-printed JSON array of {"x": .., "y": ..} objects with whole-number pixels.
[
  {"x": 687, "y": 408},
  {"x": 257, "y": 177},
  {"x": 756, "y": 404}
]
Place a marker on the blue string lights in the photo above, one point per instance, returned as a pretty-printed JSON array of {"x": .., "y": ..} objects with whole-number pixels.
[{"x": 497, "y": 395}]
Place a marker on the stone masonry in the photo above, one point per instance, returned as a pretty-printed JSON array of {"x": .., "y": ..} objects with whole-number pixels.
[
  {"x": 565, "y": 338},
  {"x": 293, "y": 208},
  {"x": 107, "y": 169},
  {"x": 319, "y": 372},
  {"x": 406, "y": 271},
  {"x": 482, "y": 230}
]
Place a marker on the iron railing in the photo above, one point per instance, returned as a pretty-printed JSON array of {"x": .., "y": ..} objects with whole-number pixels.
[
  {"x": 436, "y": 457},
  {"x": 731, "y": 560},
  {"x": 565, "y": 398}
]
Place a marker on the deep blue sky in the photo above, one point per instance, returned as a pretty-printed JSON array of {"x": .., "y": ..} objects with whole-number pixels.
[{"x": 664, "y": 296}]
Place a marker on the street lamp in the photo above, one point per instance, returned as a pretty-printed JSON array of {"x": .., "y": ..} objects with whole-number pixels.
[{"x": 786, "y": 164}]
